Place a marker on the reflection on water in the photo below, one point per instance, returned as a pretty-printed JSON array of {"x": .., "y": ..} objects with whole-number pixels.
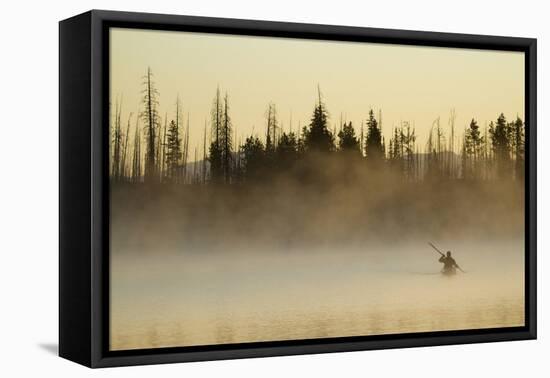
[{"x": 176, "y": 299}]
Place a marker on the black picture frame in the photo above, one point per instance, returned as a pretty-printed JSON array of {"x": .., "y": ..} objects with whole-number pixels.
[{"x": 84, "y": 193}]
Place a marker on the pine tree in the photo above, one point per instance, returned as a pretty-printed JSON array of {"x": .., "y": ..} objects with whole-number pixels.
[
  {"x": 287, "y": 149},
  {"x": 318, "y": 137},
  {"x": 472, "y": 151},
  {"x": 500, "y": 140},
  {"x": 348, "y": 142},
  {"x": 518, "y": 146},
  {"x": 253, "y": 158},
  {"x": 173, "y": 150},
  {"x": 373, "y": 143}
]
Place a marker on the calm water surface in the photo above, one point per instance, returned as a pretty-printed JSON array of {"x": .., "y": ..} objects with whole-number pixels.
[{"x": 182, "y": 299}]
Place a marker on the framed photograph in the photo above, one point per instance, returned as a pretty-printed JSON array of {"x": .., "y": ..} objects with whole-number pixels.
[{"x": 235, "y": 188}]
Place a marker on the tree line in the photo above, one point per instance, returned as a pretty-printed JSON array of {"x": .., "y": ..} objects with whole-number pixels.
[{"x": 158, "y": 151}]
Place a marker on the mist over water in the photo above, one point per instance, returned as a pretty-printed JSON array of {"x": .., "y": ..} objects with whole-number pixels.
[
  {"x": 344, "y": 253},
  {"x": 175, "y": 298}
]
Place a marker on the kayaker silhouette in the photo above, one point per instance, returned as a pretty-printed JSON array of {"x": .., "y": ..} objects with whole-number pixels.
[{"x": 449, "y": 264}]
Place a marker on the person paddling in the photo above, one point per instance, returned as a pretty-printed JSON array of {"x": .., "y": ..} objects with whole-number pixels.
[{"x": 449, "y": 264}]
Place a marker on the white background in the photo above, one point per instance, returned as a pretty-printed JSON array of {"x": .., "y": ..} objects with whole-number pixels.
[{"x": 29, "y": 188}]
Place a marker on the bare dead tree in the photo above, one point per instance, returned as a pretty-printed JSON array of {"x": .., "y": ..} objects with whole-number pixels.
[
  {"x": 163, "y": 149},
  {"x": 150, "y": 118},
  {"x": 116, "y": 143},
  {"x": 227, "y": 141},
  {"x": 136, "y": 157},
  {"x": 204, "y": 155},
  {"x": 124, "y": 169},
  {"x": 185, "y": 154}
]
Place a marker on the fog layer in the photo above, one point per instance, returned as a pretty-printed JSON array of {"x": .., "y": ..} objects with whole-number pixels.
[{"x": 279, "y": 260}]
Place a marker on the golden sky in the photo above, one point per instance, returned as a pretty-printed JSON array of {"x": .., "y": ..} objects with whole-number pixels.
[{"x": 407, "y": 83}]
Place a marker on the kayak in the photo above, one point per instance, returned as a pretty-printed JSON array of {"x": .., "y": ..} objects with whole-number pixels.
[{"x": 448, "y": 272}]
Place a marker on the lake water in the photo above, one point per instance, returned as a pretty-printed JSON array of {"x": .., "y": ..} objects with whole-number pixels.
[{"x": 175, "y": 298}]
